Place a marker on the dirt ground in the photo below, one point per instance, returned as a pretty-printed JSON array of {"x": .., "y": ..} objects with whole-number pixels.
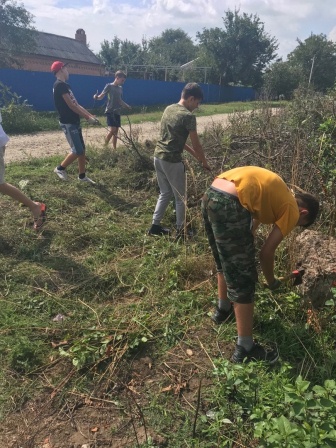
[
  {"x": 114, "y": 418},
  {"x": 43, "y": 144}
]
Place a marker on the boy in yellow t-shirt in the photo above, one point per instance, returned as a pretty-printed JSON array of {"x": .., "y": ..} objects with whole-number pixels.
[{"x": 233, "y": 207}]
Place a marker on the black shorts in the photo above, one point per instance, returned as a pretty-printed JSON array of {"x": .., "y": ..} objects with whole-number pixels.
[{"x": 112, "y": 119}]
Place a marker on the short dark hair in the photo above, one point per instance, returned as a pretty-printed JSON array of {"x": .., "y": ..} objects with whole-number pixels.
[
  {"x": 192, "y": 89},
  {"x": 309, "y": 202},
  {"x": 120, "y": 74}
]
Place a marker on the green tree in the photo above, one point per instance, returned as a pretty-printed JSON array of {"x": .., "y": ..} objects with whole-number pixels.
[
  {"x": 17, "y": 32},
  {"x": 172, "y": 47},
  {"x": 282, "y": 78},
  {"x": 122, "y": 54},
  {"x": 316, "y": 58},
  {"x": 241, "y": 51}
]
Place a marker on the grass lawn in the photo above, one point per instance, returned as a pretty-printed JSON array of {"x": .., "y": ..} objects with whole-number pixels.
[{"x": 105, "y": 331}]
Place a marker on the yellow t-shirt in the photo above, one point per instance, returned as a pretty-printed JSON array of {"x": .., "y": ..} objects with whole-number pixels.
[{"x": 265, "y": 195}]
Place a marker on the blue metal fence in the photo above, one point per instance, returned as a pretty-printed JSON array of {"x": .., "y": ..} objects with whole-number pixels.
[{"x": 36, "y": 88}]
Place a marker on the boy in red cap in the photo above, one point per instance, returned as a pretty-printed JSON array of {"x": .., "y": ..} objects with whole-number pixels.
[{"x": 69, "y": 117}]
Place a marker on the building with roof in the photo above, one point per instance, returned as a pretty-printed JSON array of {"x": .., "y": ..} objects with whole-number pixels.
[{"x": 50, "y": 47}]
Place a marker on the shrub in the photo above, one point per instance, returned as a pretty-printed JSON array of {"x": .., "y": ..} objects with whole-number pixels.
[
  {"x": 267, "y": 409},
  {"x": 17, "y": 115}
]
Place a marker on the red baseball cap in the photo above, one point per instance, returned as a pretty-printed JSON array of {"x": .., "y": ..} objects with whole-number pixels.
[{"x": 57, "y": 65}]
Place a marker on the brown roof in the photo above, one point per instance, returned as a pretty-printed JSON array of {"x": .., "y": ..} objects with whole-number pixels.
[{"x": 61, "y": 47}]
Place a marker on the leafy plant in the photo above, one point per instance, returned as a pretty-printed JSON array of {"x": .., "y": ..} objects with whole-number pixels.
[
  {"x": 17, "y": 114},
  {"x": 308, "y": 420},
  {"x": 19, "y": 117},
  {"x": 271, "y": 408},
  {"x": 26, "y": 355},
  {"x": 89, "y": 349}
]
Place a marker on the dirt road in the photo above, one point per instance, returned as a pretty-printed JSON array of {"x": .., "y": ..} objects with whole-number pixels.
[{"x": 42, "y": 144}]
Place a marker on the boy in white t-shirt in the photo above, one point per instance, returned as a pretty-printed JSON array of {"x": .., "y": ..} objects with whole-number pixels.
[{"x": 37, "y": 209}]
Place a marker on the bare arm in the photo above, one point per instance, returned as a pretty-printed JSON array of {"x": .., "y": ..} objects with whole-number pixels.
[
  {"x": 190, "y": 150},
  {"x": 123, "y": 104},
  {"x": 267, "y": 254},
  {"x": 98, "y": 97},
  {"x": 74, "y": 106},
  {"x": 196, "y": 150}
]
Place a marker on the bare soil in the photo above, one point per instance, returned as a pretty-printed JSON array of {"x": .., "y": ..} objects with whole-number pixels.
[
  {"x": 43, "y": 144},
  {"x": 114, "y": 418},
  {"x": 317, "y": 251}
]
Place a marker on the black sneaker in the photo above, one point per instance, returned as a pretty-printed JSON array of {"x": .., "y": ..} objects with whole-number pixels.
[
  {"x": 158, "y": 230},
  {"x": 220, "y": 316},
  {"x": 257, "y": 353}
]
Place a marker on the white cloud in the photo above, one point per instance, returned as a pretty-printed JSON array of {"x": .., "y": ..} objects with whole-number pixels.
[
  {"x": 189, "y": 8},
  {"x": 332, "y": 34},
  {"x": 100, "y": 6},
  {"x": 132, "y": 19}
]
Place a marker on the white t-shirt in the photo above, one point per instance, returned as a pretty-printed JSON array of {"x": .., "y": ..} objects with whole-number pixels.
[{"x": 4, "y": 139}]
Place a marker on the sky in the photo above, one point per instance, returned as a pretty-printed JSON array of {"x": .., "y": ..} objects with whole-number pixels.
[{"x": 286, "y": 20}]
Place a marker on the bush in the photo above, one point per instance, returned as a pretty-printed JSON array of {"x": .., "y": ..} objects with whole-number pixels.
[{"x": 17, "y": 115}]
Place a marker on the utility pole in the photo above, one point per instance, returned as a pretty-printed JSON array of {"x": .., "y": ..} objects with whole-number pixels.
[{"x": 311, "y": 70}]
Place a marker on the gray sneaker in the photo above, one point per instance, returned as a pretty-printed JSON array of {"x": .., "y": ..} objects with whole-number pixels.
[
  {"x": 257, "y": 353},
  {"x": 87, "y": 180},
  {"x": 62, "y": 174}
]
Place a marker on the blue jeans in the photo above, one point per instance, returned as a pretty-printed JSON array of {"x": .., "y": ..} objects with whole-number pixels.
[{"x": 73, "y": 134}]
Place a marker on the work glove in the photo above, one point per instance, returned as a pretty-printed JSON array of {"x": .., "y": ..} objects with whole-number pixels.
[{"x": 93, "y": 120}]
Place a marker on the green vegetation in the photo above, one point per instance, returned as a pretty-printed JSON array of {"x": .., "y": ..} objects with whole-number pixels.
[
  {"x": 17, "y": 32},
  {"x": 242, "y": 52},
  {"x": 19, "y": 117},
  {"x": 95, "y": 315}
]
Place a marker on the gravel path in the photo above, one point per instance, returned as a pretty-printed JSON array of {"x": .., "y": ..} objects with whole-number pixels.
[{"x": 43, "y": 144}]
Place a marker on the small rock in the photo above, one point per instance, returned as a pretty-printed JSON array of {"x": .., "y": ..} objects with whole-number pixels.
[{"x": 58, "y": 318}]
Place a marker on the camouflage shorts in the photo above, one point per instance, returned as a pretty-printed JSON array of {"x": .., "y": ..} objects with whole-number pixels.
[{"x": 228, "y": 227}]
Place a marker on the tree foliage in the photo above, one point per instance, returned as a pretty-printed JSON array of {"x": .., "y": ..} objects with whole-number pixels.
[
  {"x": 118, "y": 54},
  {"x": 316, "y": 58},
  {"x": 17, "y": 32},
  {"x": 282, "y": 78},
  {"x": 240, "y": 51},
  {"x": 172, "y": 47}
]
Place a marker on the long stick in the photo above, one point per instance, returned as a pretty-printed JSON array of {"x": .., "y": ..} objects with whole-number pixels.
[{"x": 197, "y": 407}]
